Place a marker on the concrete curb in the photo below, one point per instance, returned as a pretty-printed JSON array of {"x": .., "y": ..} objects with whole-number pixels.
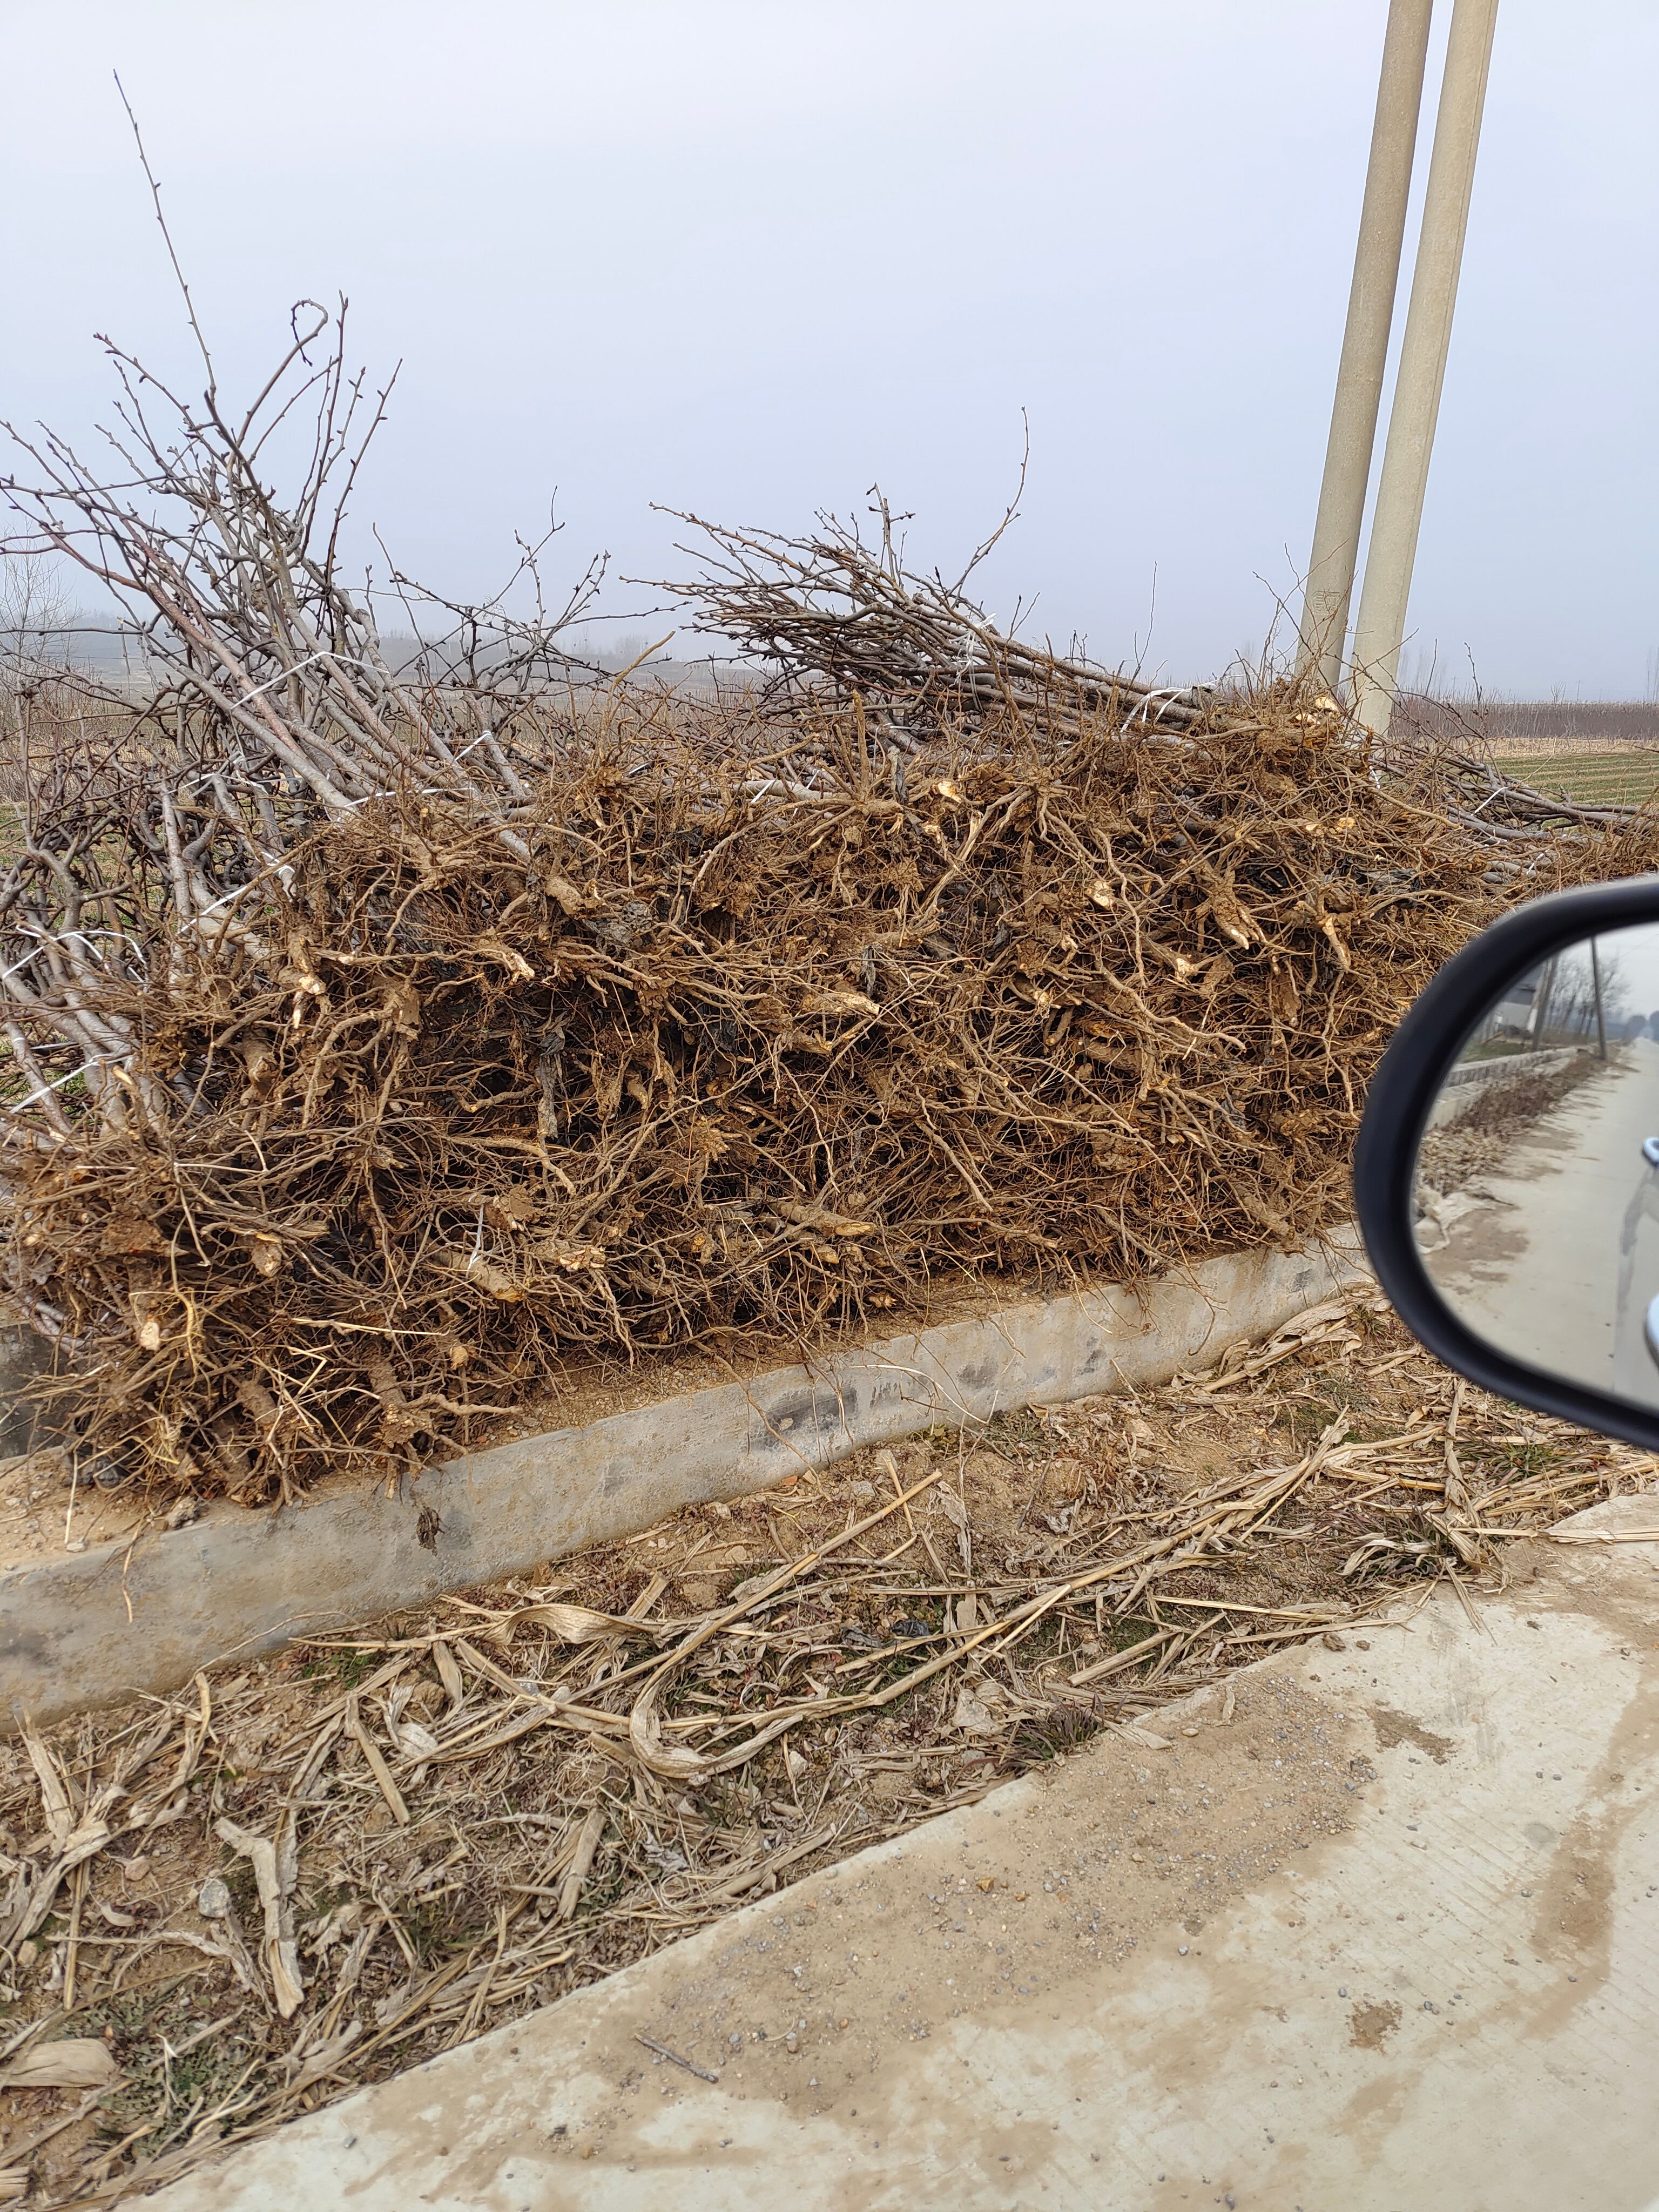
[
  {"x": 91, "y": 1630},
  {"x": 1458, "y": 1091}
]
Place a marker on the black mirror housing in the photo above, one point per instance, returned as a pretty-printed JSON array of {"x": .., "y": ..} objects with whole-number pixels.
[{"x": 1413, "y": 1077}]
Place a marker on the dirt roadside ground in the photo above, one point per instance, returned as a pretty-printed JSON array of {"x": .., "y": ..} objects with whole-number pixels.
[
  {"x": 1384, "y": 1934},
  {"x": 470, "y": 1833}
]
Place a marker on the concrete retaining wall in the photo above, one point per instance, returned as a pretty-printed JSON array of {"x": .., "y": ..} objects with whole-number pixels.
[
  {"x": 90, "y": 1630},
  {"x": 1464, "y": 1083}
]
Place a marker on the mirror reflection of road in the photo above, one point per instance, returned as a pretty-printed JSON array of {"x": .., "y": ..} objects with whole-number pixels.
[{"x": 1552, "y": 1250}]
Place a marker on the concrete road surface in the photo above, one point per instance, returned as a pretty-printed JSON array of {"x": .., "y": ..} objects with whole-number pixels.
[
  {"x": 1386, "y": 1937},
  {"x": 1532, "y": 1258}
]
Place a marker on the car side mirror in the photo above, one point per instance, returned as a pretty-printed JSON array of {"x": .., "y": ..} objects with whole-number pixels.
[{"x": 1506, "y": 1175}]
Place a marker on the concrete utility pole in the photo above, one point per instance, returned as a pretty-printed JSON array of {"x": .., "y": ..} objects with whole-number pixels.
[
  {"x": 1380, "y": 628},
  {"x": 1601, "y": 1015},
  {"x": 1365, "y": 343},
  {"x": 1543, "y": 993}
]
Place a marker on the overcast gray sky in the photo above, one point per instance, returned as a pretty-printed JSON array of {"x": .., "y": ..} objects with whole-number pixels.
[{"x": 749, "y": 256}]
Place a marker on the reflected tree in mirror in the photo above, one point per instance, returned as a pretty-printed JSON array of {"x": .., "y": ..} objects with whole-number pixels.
[{"x": 1537, "y": 1182}]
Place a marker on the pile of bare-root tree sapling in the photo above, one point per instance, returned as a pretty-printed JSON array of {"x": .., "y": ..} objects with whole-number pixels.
[{"x": 387, "y": 1036}]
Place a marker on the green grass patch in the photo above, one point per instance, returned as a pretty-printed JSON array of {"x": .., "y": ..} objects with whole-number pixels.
[
  {"x": 1523, "y": 1460},
  {"x": 1308, "y": 1418},
  {"x": 1622, "y": 779}
]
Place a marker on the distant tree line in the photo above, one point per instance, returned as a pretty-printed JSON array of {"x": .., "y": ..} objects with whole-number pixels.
[{"x": 1452, "y": 719}]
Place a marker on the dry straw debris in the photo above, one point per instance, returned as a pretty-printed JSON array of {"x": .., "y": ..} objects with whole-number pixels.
[
  {"x": 387, "y": 1038},
  {"x": 225, "y": 1908}
]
